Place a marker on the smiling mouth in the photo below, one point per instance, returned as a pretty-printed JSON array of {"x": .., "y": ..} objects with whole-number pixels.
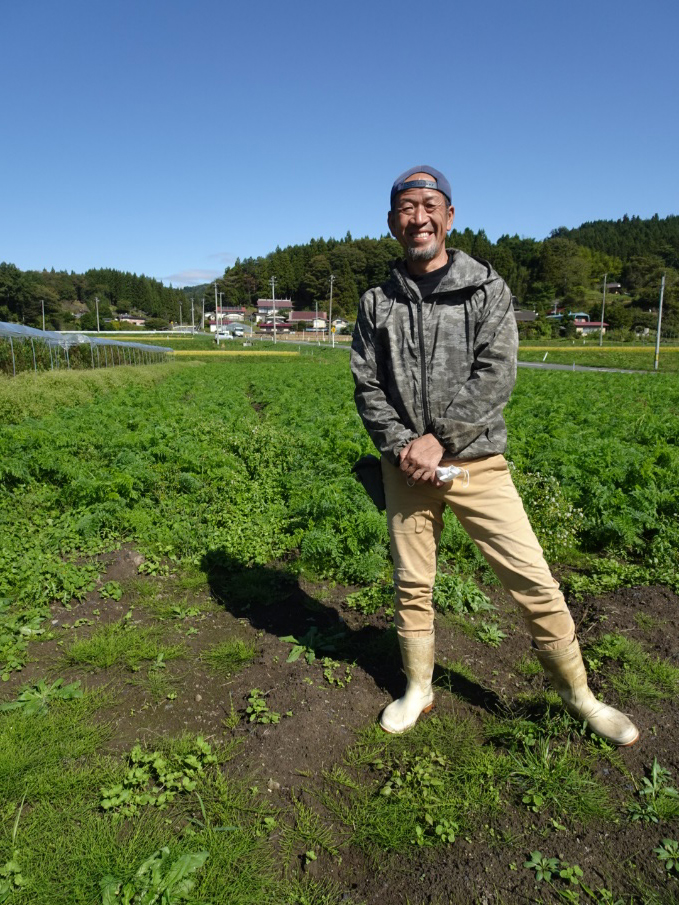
[{"x": 420, "y": 237}]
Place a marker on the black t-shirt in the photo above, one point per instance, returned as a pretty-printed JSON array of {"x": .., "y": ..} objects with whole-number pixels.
[{"x": 427, "y": 282}]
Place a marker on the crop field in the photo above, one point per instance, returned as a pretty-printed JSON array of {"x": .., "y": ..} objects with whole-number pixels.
[
  {"x": 196, "y": 642},
  {"x": 590, "y": 354}
]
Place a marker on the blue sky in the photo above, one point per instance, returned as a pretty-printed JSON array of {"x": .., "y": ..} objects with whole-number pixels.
[{"x": 170, "y": 138}]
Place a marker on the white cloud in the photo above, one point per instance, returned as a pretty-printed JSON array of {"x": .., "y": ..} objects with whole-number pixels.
[{"x": 191, "y": 277}]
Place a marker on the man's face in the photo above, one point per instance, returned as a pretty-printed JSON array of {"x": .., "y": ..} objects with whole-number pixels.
[{"x": 420, "y": 220}]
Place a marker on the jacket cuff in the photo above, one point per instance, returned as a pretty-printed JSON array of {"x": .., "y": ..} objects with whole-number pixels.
[{"x": 393, "y": 455}]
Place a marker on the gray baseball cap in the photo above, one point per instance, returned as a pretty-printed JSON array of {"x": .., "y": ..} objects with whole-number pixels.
[{"x": 438, "y": 182}]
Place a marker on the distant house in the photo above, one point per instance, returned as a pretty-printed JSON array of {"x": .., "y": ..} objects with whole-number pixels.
[
  {"x": 308, "y": 317},
  {"x": 132, "y": 321},
  {"x": 281, "y": 326},
  {"x": 583, "y": 327},
  {"x": 266, "y": 306},
  {"x": 232, "y": 314}
]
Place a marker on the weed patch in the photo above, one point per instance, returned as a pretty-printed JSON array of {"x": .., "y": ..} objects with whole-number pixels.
[
  {"x": 158, "y": 879},
  {"x": 155, "y": 778},
  {"x": 372, "y": 599},
  {"x": 35, "y": 699},
  {"x": 458, "y": 595},
  {"x": 120, "y": 643},
  {"x": 642, "y": 677},
  {"x": 549, "y": 777},
  {"x": 257, "y": 710},
  {"x": 421, "y": 789},
  {"x": 658, "y": 800},
  {"x": 230, "y": 656}
]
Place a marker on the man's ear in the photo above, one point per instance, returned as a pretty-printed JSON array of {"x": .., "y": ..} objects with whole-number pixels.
[
  {"x": 451, "y": 218},
  {"x": 390, "y": 223}
]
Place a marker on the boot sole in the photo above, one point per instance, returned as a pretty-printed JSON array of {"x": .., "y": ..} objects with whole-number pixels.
[{"x": 427, "y": 709}]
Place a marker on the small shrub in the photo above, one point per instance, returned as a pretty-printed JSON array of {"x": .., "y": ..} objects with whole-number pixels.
[
  {"x": 371, "y": 599},
  {"x": 668, "y": 853},
  {"x": 159, "y": 879},
  {"x": 155, "y": 778},
  {"x": 35, "y": 699},
  {"x": 490, "y": 633}
]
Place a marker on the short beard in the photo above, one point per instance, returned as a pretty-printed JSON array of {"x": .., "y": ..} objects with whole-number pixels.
[{"x": 422, "y": 254}]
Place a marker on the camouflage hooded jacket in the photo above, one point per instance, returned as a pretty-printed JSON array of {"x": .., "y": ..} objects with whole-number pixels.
[{"x": 444, "y": 364}]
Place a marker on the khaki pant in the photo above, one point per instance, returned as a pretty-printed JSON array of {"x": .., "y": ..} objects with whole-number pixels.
[{"x": 491, "y": 512}]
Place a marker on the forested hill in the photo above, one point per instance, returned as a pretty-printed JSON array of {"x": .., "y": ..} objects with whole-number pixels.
[
  {"x": 568, "y": 266},
  {"x": 629, "y": 237},
  {"x": 67, "y": 295}
]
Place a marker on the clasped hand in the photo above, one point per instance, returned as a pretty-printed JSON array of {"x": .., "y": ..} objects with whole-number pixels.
[{"x": 420, "y": 458}]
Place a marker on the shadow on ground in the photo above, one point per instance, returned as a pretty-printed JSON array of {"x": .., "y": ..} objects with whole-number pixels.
[{"x": 272, "y": 600}]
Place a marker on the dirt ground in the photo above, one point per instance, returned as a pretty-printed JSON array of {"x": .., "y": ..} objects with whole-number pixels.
[{"x": 286, "y": 760}]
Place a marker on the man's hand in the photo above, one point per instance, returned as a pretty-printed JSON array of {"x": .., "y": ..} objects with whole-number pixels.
[{"x": 420, "y": 458}]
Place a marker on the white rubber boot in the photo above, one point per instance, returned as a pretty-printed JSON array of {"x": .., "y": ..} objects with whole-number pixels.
[
  {"x": 418, "y": 664},
  {"x": 567, "y": 674}
]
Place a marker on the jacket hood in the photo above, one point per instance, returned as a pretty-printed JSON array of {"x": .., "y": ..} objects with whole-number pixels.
[{"x": 464, "y": 273}]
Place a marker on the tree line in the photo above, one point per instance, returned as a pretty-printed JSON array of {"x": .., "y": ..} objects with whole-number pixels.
[
  {"x": 565, "y": 269},
  {"x": 22, "y": 294}
]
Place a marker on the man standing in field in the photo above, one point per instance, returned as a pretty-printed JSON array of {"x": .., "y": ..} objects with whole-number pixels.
[{"x": 434, "y": 362}]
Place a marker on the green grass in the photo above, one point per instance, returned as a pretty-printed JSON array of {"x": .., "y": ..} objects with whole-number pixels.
[
  {"x": 642, "y": 678},
  {"x": 529, "y": 722},
  {"x": 528, "y": 666},
  {"x": 158, "y": 683},
  {"x": 307, "y": 832},
  {"x": 65, "y": 855},
  {"x": 141, "y": 589},
  {"x": 230, "y": 656},
  {"x": 647, "y": 623},
  {"x": 38, "y": 755},
  {"x": 120, "y": 644},
  {"x": 455, "y": 668},
  {"x": 191, "y": 579},
  {"x": 462, "y": 623}
]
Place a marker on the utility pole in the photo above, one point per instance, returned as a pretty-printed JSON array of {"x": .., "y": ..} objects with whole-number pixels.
[
  {"x": 221, "y": 308},
  {"x": 180, "y": 314},
  {"x": 273, "y": 299},
  {"x": 216, "y": 315},
  {"x": 657, "y": 338},
  {"x": 603, "y": 308},
  {"x": 42, "y": 302},
  {"x": 332, "y": 280},
  {"x": 193, "y": 328},
  {"x": 96, "y": 302},
  {"x": 202, "y": 323}
]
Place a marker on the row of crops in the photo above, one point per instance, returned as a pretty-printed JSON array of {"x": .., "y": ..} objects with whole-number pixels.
[{"x": 237, "y": 457}]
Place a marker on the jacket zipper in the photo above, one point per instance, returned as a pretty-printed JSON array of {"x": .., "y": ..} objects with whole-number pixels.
[
  {"x": 423, "y": 365},
  {"x": 426, "y": 414}
]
